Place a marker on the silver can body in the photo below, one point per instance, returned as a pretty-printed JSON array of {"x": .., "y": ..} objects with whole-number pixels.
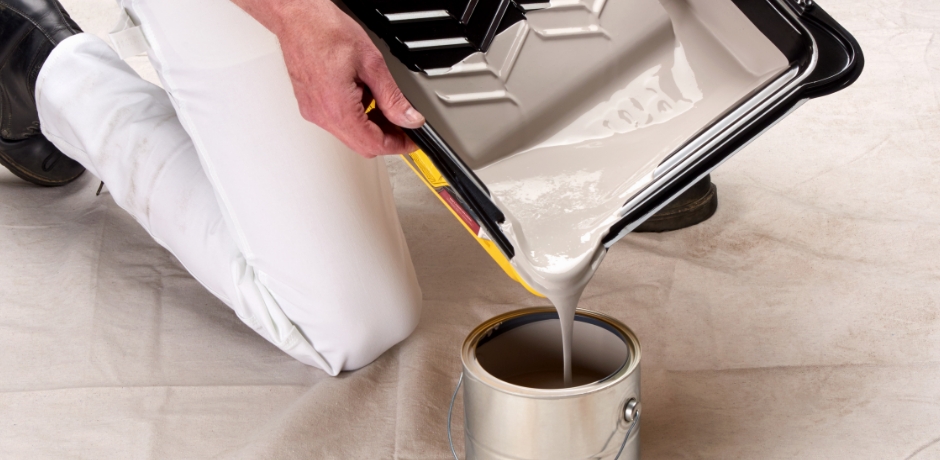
[{"x": 505, "y": 421}]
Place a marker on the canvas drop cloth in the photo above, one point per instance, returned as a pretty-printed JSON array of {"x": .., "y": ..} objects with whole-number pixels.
[{"x": 802, "y": 321}]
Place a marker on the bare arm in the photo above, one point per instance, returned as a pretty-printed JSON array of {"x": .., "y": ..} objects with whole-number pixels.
[{"x": 336, "y": 72}]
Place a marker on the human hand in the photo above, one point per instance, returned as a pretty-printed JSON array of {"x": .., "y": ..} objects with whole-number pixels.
[{"x": 336, "y": 72}]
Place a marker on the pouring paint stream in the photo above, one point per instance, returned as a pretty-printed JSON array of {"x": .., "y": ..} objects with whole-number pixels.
[{"x": 562, "y": 195}]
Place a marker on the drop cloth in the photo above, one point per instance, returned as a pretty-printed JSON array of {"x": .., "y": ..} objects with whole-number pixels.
[{"x": 802, "y": 321}]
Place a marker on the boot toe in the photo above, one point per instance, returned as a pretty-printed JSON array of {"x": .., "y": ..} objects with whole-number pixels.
[{"x": 36, "y": 160}]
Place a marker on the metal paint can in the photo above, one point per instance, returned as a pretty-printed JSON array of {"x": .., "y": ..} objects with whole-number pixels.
[{"x": 596, "y": 420}]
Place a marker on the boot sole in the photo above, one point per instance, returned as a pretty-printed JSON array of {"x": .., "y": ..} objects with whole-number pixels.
[{"x": 684, "y": 216}]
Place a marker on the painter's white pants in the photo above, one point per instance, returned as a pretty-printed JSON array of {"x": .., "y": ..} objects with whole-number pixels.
[{"x": 278, "y": 219}]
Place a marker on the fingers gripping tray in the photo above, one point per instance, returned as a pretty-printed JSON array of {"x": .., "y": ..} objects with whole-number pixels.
[{"x": 610, "y": 107}]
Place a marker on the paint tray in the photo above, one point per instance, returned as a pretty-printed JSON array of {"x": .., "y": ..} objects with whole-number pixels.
[{"x": 623, "y": 103}]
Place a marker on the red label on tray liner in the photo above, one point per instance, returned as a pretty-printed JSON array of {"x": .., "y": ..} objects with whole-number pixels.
[{"x": 460, "y": 211}]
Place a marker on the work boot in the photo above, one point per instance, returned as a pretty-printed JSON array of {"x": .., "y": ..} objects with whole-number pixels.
[
  {"x": 694, "y": 206},
  {"x": 29, "y": 29}
]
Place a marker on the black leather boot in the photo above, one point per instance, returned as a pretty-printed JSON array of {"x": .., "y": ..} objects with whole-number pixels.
[
  {"x": 694, "y": 206},
  {"x": 29, "y": 29}
]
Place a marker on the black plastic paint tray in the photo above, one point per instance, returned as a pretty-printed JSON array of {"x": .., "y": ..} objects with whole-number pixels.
[{"x": 673, "y": 87}]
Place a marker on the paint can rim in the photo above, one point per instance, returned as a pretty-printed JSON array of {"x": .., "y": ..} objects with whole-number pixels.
[{"x": 485, "y": 331}]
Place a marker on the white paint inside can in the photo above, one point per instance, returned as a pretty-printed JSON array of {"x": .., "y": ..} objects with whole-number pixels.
[{"x": 530, "y": 355}]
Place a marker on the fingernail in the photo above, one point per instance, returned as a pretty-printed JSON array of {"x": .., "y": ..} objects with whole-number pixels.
[{"x": 414, "y": 117}]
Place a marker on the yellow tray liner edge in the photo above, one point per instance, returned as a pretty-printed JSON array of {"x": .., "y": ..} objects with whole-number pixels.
[{"x": 429, "y": 173}]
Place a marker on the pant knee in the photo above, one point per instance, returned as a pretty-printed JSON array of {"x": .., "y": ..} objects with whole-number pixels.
[
  {"x": 368, "y": 333},
  {"x": 349, "y": 330}
]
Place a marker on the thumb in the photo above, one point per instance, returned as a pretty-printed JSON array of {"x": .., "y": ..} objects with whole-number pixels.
[{"x": 388, "y": 96}]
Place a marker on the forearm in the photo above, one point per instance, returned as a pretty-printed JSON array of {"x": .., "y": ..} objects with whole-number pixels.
[{"x": 284, "y": 16}]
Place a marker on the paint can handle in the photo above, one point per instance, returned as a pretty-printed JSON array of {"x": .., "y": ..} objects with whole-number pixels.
[
  {"x": 450, "y": 414},
  {"x": 631, "y": 414}
]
